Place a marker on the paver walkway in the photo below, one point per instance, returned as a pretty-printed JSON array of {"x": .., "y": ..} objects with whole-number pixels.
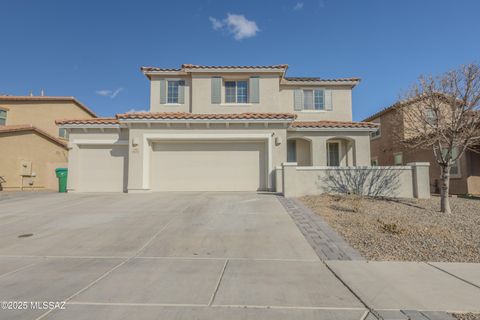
[{"x": 326, "y": 242}]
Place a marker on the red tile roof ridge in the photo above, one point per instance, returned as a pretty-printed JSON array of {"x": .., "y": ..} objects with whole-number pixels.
[
  {"x": 186, "y": 115},
  {"x": 88, "y": 121}
]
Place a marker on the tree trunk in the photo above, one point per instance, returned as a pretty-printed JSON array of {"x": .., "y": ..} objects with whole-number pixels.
[{"x": 444, "y": 190}]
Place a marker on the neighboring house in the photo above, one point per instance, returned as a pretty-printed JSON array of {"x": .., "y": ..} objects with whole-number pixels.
[
  {"x": 31, "y": 144},
  {"x": 387, "y": 151},
  {"x": 218, "y": 128}
]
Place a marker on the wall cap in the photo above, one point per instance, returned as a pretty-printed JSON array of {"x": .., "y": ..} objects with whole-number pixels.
[
  {"x": 355, "y": 168},
  {"x": 289, "y": 164},
  {"x": 419, "y": 164}
]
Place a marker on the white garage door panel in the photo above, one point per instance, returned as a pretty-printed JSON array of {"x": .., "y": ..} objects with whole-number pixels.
[
  {"x": 208, "y": 166},
  {"x": 102, "y": 168}
]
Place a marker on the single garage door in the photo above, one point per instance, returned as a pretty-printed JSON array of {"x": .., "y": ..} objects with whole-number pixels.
[
  {"x": 208, "y": 166},
  {"x": 102, "y": 168}
]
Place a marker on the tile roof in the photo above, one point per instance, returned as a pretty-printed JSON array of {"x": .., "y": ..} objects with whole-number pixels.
[
  {"x": 48, "y": 98},
  {"x": 29, "y": 127},
  {"x": 196, "y": 66},
  {"x": 316, "y": 79},
  {"x": 88, "y": 121},
  {"x": 147, "y": 69},
  {"x": 215, "y": 116},
  {"x": 332, "y": 124},
  {"x": 184, "y": 68}
]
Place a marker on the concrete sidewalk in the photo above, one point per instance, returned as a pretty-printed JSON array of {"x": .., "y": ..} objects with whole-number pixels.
[{"x": 394, "y": 286}]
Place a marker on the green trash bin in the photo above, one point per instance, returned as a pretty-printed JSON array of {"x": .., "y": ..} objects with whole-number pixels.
[{"x": 62, "y": 174}]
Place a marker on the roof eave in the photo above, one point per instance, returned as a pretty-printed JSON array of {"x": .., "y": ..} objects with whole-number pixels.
[
  {"x": 350, "y": 83},
  {"x": 332, "y": 129},
  {"x": 91, "y": 125},
  {"x": 261, "y": 120}
]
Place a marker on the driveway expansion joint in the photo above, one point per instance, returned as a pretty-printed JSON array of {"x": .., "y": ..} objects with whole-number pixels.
[
  {"x": 218, "y": 283},
  {"x": 453, "y": 275}
]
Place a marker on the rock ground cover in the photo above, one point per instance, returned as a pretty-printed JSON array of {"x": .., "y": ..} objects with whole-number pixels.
[
  {"x": 467, "y": 316},
  {"x": 405, "y": 230}
]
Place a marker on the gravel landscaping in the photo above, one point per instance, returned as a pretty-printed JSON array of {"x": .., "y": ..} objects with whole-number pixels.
[
  {"x": 405, "y": 230},
  {"x": 467, "y": 316}
]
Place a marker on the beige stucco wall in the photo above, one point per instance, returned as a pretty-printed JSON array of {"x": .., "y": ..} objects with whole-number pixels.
[
  {"x": 138, "y": 176},
  {"x": 273, "y": 97},
  {"x": 201, "y": 95},
  {"x": 404, "y": 181},
  {"x": 29, "y": 146},
  {"x": 304, "y": 152},
  {"x": 155, "y": 105},
  {"x": 358, "y": 156},
  {"x": 42, "y": 114},
  {"x": 341, "y": 101}
]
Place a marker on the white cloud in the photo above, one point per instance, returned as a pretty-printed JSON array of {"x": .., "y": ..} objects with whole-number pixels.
[
  {"x": 298, "y": 6},
  {"x": 136, "y": 110},
  {"x": 109, "y": 93},
  {"x": 216, "y": 24},
  {"x": 237, "y": 25}
]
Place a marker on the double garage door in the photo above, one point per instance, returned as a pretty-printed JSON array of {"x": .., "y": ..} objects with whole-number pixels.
[
  {"x": 207, "y": 166},
  {"x": 178, "y": 166}
]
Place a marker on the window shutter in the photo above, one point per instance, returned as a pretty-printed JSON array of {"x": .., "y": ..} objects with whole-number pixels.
[
  {"x": 181, "y": 92},
  {"x": 163, "y": 91},
  {"x": 254, "y": 90},
  {"x": 298, "y": 99},
  {"x": 328, "y": 100},
  {"x": 216, "y": 90}
]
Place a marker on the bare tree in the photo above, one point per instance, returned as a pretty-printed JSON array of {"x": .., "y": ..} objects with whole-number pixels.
[{"x": 442, "y": 114}]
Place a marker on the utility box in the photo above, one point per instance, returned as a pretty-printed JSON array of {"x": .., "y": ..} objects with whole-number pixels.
[{"x": 26, "y": 168}]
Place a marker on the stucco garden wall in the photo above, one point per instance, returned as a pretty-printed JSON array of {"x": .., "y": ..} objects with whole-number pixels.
[{"x": 411, "y": 181}]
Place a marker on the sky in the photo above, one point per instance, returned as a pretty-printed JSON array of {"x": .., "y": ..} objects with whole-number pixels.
[{"x": 93, "y": 50}]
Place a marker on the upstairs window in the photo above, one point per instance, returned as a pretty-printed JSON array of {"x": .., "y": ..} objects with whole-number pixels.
[
  {"x": 376, "y": 133},
  {"x": 313, "y": 100},
  {"x": 172, "y": 92},
  {"x": 236, "y": 91},
  {"x": 3, "y": 117}
]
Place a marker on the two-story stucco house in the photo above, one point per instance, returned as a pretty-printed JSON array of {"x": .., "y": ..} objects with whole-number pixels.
[
  {"x": 386, "y": 150},
  {"x": 31, "y": 144},
  {"x": 218, "y": 128}
]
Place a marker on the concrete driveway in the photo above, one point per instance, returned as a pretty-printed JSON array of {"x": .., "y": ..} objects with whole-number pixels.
[{"x": 163, "y": 256}]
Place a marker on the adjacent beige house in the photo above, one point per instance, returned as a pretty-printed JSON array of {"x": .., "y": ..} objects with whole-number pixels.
[
  {"x": 218, "y": 128},
  {"x": 31, "y": 144},
  {"x": 386, "y": 151}
]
